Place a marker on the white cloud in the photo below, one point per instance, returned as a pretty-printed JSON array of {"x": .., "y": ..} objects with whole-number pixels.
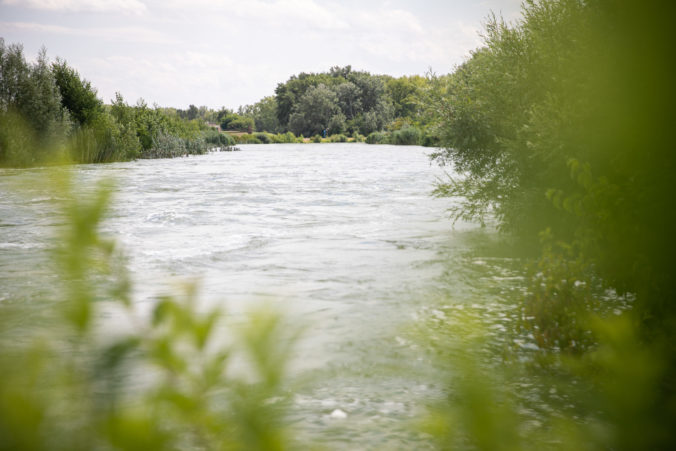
[
  {"x": 276, "y": 13},
  {"x": 510, "y": 10},
  {"x": 118, "y": 34},
  {"x": 391, "y": 21},
  {"x": 373, "y": 32},
  {"x": 179, "y": 79},
  {"x": 126, "y": 6},
  {"x": 232, "y": 52},
  {"x": 399, "y": 36}
]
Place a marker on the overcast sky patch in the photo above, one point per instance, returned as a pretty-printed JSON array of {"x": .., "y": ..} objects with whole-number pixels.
[{"x": 229, "y": 53}]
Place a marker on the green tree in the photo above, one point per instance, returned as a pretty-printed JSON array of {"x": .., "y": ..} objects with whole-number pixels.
[
  {"x": 337, "y": 123},
  {"x": 368, "y": 123},
  {"x": 314, "y": 111},
  {"x": 290, "y": 93},
  {"x": 42, "y": 101},
  {"x": 372, "y": 89},
  {"x": 241, "y": 123},
  {"x": 341, "y": 72},
  {"x": 192, "y": 112},
  {"x": 14, "y": 75},
  {"x": 225, "y": 121},
  {"x": 405, "y": 93},
  {"x": 30, "y": 91},
  {"x": 77, "y": 95},
  {"x": 349, "y": 99},
  {"x": 265, "y": 115}
]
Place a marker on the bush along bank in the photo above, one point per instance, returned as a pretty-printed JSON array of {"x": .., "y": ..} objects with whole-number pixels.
[
  {"x": 407, "y": 136},
  {"x": 49, "y": 114}
]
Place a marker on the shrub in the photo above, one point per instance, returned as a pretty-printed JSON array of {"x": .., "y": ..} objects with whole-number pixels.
[
  {"x": 263, "y": 137},
  {"x": 243, "y": 124},
  {"x": 377, "y": 138},
  {"x": 316, "y": 139},
  {"x": 288, "y": 137},
  {"x": 17, "y": 141},
  {"x": 431, "y": 140},
  {"x": 283, "y": 138},
  {"x": 248, "y": 139},
  {"x": 165, "y": 146},
  {"x": 227, "y": 139},
  {"x": 196, "y": 146},
  {"x": 216, "y": 139},
  {"x": 409, "y": 136},
  {"x": 100, "y": 141},
  {"x": 338, "y": 138}
]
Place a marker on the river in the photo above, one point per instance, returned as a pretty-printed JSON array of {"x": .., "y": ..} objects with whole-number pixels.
[{"x": 345, "y": 238}]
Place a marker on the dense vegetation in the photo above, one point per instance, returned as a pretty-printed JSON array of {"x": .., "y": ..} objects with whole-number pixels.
[
  {"x": 543, "y": 125},
  {"x": 343, "y": 101},
  {"x": 354, "y": 104},
  {"x": 559, "y": 129},
  {"x": 49, "y": 113}
]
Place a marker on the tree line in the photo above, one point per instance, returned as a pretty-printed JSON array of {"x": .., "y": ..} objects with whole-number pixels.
[
  {"x": 559, "y": 129},
  {"x": 341, "y": 101},
  {"x": 48, "y": 112}
]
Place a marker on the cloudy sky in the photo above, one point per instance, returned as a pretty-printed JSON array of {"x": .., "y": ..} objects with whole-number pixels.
[{"x": 233, "y": 52}]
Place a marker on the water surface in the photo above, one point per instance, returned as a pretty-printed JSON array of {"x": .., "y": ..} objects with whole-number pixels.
[{"x": 344, "y": 237}]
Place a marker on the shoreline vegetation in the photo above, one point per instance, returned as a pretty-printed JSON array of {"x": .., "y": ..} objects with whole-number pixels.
[
  {"x": 559, "y": 131},
  {"x": 49, "y": 113}
]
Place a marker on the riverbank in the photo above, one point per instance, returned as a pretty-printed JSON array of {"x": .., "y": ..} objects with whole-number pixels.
[{"x": 49, "y": 113}]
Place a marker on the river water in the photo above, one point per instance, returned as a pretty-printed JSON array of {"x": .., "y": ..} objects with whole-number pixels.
[{"x": 345, "y": 238}]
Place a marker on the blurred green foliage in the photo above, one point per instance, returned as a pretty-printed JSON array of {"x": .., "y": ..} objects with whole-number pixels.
[
  {"x": 174, "y": 379},
  {"x": 602, "y": 399},
  {"x": 557, "y": 128}
]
